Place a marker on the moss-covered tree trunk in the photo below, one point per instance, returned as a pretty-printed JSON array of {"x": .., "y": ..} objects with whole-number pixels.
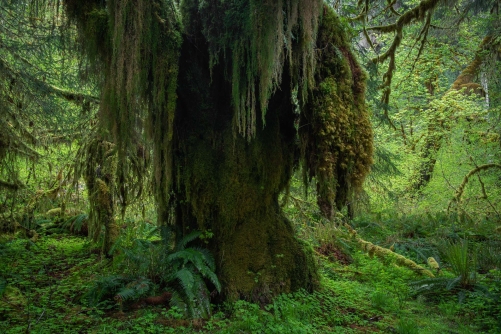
[
  {"x": 433, "y": 139},
  {"x": 100, "y": 178},
  {"x": 229, "y": 185},
  {"x": 226, "y": 142}
]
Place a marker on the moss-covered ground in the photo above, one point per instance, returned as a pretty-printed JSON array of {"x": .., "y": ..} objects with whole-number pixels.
[{"x": 46, "y": 280}]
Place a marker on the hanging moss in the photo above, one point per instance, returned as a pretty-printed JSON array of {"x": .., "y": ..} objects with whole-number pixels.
[
  {"x": 91, "y": 19},
  {"x": 135, "y": 43},
  {"x": 100, "y": 174},
  {"x": 335, "y": 129},
  {"x": 257, "y": 40}
]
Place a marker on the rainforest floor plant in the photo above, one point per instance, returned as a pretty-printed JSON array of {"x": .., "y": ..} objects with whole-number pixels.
[{"x": 173, "y": 267}]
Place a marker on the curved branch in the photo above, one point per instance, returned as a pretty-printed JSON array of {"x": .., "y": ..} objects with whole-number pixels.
[
  {"x": 459, "y": 192},
  {"x": 417, "y": 13}
]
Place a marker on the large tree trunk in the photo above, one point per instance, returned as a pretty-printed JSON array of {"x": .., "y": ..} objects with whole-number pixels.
[{"x": 230, "y": 185}]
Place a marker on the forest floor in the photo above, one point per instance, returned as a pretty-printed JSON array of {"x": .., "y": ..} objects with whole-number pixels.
[{"x": 46, "y": 280}]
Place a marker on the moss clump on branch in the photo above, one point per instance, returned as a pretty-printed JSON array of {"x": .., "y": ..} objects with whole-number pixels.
[{"x": 335, "y": 129}]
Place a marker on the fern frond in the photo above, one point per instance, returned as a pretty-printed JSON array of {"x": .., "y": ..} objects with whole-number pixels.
[
  {"x": 141, "y": 285},
  {"x": 181, "y": 244},
  {"x": 430, "y": 285},
  {"x": 103, "y": 287},
  {"x": 79, "y": 221},
  {"x": 178, "y": 301},
  {"x": 117, "y": 245},
  {"x": 452, "y": 283},
  {"x": 207, "y": 257},
  {"x": 152, "y": 233},
  {"x": 187, "y": 280},
  {"x": 186, "y": 255},
  {"x": 213, "y": 279},
  {"x": 127, "y": 293}
]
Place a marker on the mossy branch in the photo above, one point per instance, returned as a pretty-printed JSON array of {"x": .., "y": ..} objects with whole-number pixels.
[
  {"x": 462, "y": 186},
  {"x": 418, "y": 13},
  {"x": 432, "y": 140},
  {"x": 11, "y": 185},
  {"x": 46, "y": 88},
  {"x": 466, "y": 76},
  {"x": 385, "y": 253}
]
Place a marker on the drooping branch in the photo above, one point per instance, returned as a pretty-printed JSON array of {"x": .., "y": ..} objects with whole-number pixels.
[
  {"x": 418, "y": 13},
  {"x": 45, "y": 88}
]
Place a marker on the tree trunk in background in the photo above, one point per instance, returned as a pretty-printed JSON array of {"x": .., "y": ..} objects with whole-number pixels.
[
  {"x": 99, "y": 177},
  {"x": 433, "y": 139}
]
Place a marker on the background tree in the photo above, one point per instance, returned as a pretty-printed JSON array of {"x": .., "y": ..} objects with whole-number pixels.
[{"x": 41, "y": 100}]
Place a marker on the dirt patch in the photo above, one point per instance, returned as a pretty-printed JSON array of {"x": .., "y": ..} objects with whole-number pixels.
[{"x": 334, "y": 253}]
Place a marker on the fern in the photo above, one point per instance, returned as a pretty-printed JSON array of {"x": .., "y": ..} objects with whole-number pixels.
[
  {"x": 126, "y": 293},
  {"x": 104, "y": 287},
  {"x": 186, "y": 278},
  {"x": 188, "y": 267},
  {"x": 3, "y": 286},
  {"x": 183, "y": 270},
  {"x": 462, "y": 263},
  {"x": 75, "y": 223},
  {"x": 118, "y": 287},
  {"x": 181, "y": 244}
]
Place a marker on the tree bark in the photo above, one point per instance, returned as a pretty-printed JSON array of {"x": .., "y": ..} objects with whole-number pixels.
[{"x": 230, "y": 185}]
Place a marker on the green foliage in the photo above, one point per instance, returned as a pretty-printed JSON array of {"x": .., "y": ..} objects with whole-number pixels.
[
  {"x": 118, "y": 287},
  {"x": 187, "y": 269},
  {"x": 75, "y": 223},
  {"x": 462, "y": 260},
  {"x": 180, "y": 268},
  {"x": 406, "y": 326}
]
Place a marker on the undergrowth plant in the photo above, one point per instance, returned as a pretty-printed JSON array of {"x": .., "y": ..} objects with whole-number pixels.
[
  {"x": 462, "y": 261},
  {"x": 147, "y": 266}
]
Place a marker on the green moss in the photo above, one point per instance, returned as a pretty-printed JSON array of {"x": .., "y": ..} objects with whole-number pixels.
[
  {"x": 266, "y": 260},
  {"x": 100, "y": 174},
  {"x": 335, "y": 127}
]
